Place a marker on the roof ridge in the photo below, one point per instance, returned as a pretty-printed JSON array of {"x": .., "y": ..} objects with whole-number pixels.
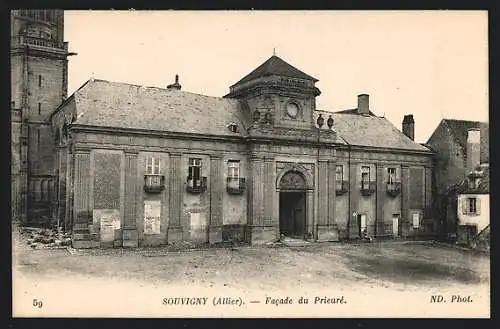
[
  {"x": 472, "y": 121},
  {"x": 275, "y": 65},
  {"x": 154, "y": 87}
]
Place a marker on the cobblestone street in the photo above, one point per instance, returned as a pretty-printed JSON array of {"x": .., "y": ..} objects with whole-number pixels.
[{"x": 377, "y": 269}]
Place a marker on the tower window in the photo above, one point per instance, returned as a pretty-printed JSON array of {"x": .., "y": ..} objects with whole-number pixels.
[
  {"x": 38, "y": 140},
  {"x": 39, "y": 108},
  {"x": 39, "y": 81}
]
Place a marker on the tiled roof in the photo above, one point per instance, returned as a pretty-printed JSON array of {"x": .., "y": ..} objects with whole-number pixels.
[
  {"x": 114, "y": 104},
  {"x": 369, "y": 130},
  {"x": 483, "y": 186},
  {"x": 459, "y": 130},
  {"x": 352, "y": 111},
  {"x": 275, "y": 66}
]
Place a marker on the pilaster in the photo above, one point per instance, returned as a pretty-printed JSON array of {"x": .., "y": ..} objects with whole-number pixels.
[
  {"x": 81, "y": 197},
  {"x": 260, "y": 231},
  {"x": 269, "y": 192},
  {"x": 353, "y": 201},
  {"x": 380, "y": 196},
  {"x": 257, "y": 191},
  {"x": 130, "y": 236},
  {"x": 322, "y": 192},
  {"x": 216, "y": 193},
  {"x": 176, "y": 193},
  {"x": 405, "y": 199}
]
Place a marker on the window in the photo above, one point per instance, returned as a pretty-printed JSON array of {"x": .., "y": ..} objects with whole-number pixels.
[
  {"x": 339, "y": 173},
  {"x": 38, "y": 140},
  {"x": 365, "y": 177},
  {"x": 194, "y": 169},
  {"x": 472, "y": 205},
  {"x": 39, "y": 108},
  {"x": 39, "y": 81},
  {"x": 391, "y": 175},
  {"x": 233, "y": 167},
  {"x": 153, "y": 166}
]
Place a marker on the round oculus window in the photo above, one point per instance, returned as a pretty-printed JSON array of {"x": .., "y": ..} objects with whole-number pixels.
[{"x": 292, "y": 110}]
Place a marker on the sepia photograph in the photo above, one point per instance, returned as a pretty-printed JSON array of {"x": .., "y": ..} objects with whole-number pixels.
[{"x": 250, "y": 164}]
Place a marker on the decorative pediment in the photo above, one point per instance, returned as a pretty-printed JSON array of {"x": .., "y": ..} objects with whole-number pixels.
[
  {"x": 294, "y": 175},
  {"x": 293, "y": 180}
]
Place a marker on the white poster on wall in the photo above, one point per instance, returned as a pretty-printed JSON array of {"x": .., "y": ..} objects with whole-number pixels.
[
  {"x": 416, "y": 220},
  {"x": 109, "y": 221},
  {"x": 152, "y": 211}
]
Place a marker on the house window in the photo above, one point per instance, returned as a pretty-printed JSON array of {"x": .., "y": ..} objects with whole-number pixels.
[
  {"x": 233, "y": 167},
  {"x": 339, "y": 173},
  {"x": 365, "y": 177},
  {"x": 153, "y": 166},
  {"x": 194, "y": 169},
  {"x": 391, "y": 175},
  {"x": 472, "y": 205}
]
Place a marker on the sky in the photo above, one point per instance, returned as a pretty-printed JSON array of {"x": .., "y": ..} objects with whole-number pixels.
[{"x": 432, "y": 64}]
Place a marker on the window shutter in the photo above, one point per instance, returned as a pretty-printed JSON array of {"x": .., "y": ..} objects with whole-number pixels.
[
  {"x": 465, "y": 205},
  {"x": 478, "y": 206}
]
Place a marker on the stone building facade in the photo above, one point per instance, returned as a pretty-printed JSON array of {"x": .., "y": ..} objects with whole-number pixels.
[
  {"x": 39, "y": 74},
  {"x": 150, "y": 166},
  {"x": 126, "y": 165}
]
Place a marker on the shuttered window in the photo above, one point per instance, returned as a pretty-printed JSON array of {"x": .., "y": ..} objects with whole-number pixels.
[{"x": 471, "y": 206}]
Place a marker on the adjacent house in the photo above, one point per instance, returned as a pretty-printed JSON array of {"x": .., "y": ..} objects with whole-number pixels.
[
  {"x": 473, "y": 202},
  {"x": 461, "y": 168}
]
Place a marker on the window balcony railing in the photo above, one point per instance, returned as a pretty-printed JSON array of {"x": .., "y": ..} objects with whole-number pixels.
[
  {"x": 393, "y": 188},
  {"x": 368, "y": 188},
  {"x": 341, "y": 187},
  {"x": 23, "y": 40},
  {"x": 196, "y": 186},
  {"x": 235, "y": 185},
  {"x": 154, "y": 183}
]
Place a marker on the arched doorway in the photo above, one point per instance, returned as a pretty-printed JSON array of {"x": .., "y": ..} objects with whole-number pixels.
[{"x": 292, "y": 205}]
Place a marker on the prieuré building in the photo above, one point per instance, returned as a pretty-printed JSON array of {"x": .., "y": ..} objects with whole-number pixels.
[{"x": 135, "y": 166}]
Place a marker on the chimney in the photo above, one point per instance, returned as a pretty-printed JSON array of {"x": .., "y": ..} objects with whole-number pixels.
[
  {"x": 363, "y": 104},
  {"x": 409, "y": 126},
  {"x": 175, "y": 85},
  {"x": 473, "y": 149}
]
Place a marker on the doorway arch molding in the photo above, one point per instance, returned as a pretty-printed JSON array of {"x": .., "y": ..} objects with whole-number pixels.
[
  {"x": 296, "y": 169},
  {"x": 308, "y": 176}
]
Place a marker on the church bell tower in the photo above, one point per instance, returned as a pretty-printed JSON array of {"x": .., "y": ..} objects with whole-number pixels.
[{"x": 39, "y": 79}]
